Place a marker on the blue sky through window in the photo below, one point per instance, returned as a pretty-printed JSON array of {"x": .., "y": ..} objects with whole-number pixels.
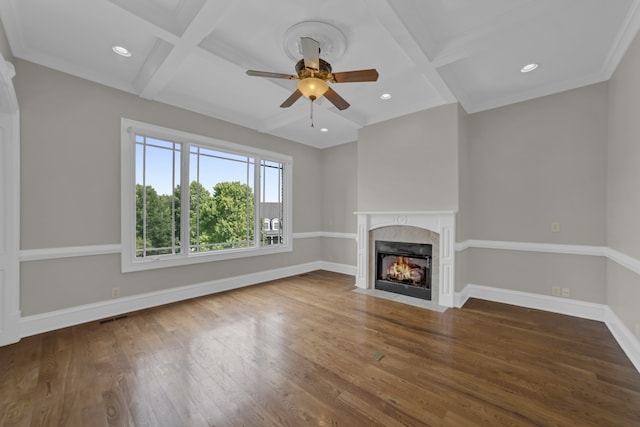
[{"x": 162, "y": 157}]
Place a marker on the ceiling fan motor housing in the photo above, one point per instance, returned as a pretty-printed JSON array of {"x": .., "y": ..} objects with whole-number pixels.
[{"x": 323, "y": 73}]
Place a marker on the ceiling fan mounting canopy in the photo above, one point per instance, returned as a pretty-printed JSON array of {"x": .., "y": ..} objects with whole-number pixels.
[{"x": 332, "y": 40}]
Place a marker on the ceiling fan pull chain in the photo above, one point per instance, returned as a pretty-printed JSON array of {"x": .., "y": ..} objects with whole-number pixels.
[{"x": 312, "y": 114}]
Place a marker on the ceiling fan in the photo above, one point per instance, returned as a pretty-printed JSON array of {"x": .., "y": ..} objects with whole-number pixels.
[{"x": 313, "y": 74}]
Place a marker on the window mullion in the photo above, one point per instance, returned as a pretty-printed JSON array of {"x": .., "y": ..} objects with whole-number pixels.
[
  {"x": 281, "y": 204},
  {"x": 173, "y": 200},
  {"x": 257, "y": 212},
  {"x": 184, "y": 199},
  {"x": 144, "y": 198},
  {"x": 199, "y": 209}
]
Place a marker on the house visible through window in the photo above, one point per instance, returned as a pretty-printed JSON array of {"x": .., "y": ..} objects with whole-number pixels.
[{"x": 197, "y": 199}]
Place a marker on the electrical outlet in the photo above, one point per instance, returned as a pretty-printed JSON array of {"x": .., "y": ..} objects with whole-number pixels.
[
  {"x": 566, "y": 292},
  {"x": 555, "y": 291},
  {"x": 555, "y": 227},
  {"x": 115, "y": 292}
]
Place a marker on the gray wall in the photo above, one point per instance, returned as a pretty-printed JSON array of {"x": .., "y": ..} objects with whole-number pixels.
[
  {"x": 70, "y": 142},
  {"x": 531, "y": 164},
  {"x": 539, "y": 162},
  {"x": 536, "y": 272},
  {"x": 338, "y": 165},
  {"x": 410, "y": 163},
  {"x": 463, "y": 217},
  {"x": 623, "y": 214}
]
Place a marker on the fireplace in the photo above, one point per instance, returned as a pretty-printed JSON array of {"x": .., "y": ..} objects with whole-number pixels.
[
  {"x": 435, "y": 228},
  {"x": 403, "y": 268}
]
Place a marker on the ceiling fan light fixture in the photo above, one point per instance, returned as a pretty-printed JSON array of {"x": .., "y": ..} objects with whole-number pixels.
[{"x": 313, "y": 87}]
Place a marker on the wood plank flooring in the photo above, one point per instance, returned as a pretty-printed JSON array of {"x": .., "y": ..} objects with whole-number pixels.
[{"x": 308, "y": 351}]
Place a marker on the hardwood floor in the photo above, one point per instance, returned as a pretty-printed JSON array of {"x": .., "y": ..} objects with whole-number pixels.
[{"x": 309, "y": 351}]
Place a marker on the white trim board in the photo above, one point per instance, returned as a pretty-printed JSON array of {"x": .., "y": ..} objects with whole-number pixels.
[
  {"x": 570, "y": 307},
  {"x": 68, "y": 252},
  {"x": 349, "y": 270},
  {"x": 45, "y": 322},
  {"x": 586, "y": 310},
  {"x": 553, "y": 248},
  {"x": 625, "y": 338},
  {"x": 624, "y": 260},
  {"x": 91, "y": 250},
  {"x": 328, "y": 234},
  {"x": 618, "y": 257}
]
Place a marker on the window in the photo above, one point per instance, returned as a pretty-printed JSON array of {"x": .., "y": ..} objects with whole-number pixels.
[{"x": 188, "y": 198}]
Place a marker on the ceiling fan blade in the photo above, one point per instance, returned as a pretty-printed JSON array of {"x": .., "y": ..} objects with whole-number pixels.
[
  {"x": 271, "y": 75},
  {"x": 370, "y": 75},
  {"x": 290, "y": 100},
  {"x": 336, "y": 99},
  {"x": 310, "y": 52}
]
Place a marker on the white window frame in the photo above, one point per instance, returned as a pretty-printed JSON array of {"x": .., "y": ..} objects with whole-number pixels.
[{"x": 128, "y": 129}]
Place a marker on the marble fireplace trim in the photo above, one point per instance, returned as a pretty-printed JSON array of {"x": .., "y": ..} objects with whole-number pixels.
[{"x": 441, "y": 222}]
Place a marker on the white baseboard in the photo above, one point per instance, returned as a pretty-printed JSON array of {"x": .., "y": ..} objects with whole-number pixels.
[
  {"x": 629, "y": 343},
  {"x": 338, "y": 268},
  {"x": 587, "y": 310},
  {"x": 570, "y": 307},
  {"x": 39, "y": 323}
]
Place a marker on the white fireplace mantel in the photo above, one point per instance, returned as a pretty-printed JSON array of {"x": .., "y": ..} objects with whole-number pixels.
[{"x": 441, "y": 222}]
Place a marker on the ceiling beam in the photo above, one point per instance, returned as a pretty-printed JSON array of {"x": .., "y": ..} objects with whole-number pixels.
[
  {"x": 167, "y": 58},
  {"x": 389, "y": 19},
  {"x": 491, "y": 34}
]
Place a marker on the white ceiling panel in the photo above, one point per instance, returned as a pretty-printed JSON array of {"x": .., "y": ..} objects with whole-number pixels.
[
  {"x": 51, "y": 37},
  {"x": 218, "y": 83}
]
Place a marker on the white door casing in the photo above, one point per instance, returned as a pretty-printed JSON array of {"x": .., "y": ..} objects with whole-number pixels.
[{"x": 9, "y": 207}]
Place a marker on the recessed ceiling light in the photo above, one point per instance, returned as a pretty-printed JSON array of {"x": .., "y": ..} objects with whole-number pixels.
[
  {"x": 122, "y": 51},
  {"x": 324, "y": 130},
  {"x": 528, "y": 68},
  {"x": 385, "y": 96}
]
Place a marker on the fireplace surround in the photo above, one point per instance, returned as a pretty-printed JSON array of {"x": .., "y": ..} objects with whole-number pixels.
[{"x": 432, "y": 227}]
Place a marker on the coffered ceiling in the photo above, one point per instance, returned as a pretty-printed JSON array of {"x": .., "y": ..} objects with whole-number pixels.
[{"x": 194, "y": 53}]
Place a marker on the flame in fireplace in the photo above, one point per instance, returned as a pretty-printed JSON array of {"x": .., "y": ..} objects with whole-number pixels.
[{"x": 403, "y": 271}]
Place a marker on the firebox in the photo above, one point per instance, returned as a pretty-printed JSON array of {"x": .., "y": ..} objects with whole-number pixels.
[{"x": 403, "y": 268}]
